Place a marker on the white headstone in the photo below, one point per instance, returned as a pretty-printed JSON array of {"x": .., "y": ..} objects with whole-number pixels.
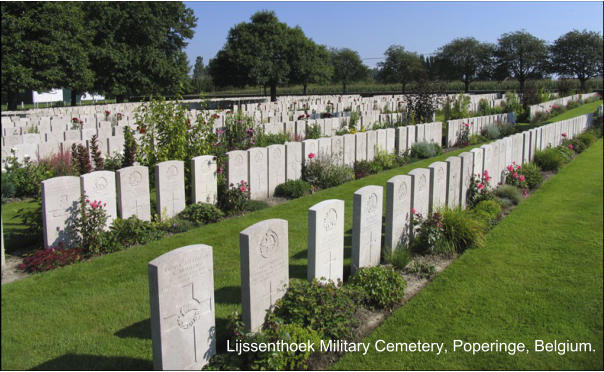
[
  {"x": 60, "y": 205},
  {"x": 310, "y": 146},
  {"x": 398, "y": 211},
  {"x": 349, "y": 149},
  {"x": 264, "y": 269},
  {"x": 133, "y": 197},
  {"x": 361, "y": 146},
  {"x": 181, "y": 294},
  {"x": 326, "y": 241},
  {"x": 205, "y": 179},
  {"x": 467, "y": 167},
  {"x": 293, "y": 158},
  {"x": 371, "y": 144},
  {"x": 420, "y": 200},
  {"x": 401, "y": 139},
  {"x": 367, "y": 227},
  {"x": 438, "y": 185},
  {"x": 237, "y": 167},
  {"x": 258, "y": 172},
  {"x": 453, "y": 181},
  {"x": 100, "y": 186},
  {"x": 276, "y": 167},
  {"x": 170, "y": 188}
]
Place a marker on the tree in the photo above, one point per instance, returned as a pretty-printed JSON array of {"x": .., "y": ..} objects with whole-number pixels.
[
  {"x": 44, "y": 45},
  {"x": 257, "y": 52},
  {"x": 309, "y": 61},
  {"x": 139, "y": 47},
  {"x": 521, "y": 55},
  {"x": 401, "y": 67},
  {"x": 578, "y": 54},
  {"x": 347, "y": 67},
  {"x": 200, "y": 79},
  {"x": 465, "y": 59}
]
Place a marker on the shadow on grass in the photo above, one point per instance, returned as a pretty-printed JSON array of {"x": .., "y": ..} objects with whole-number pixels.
[
  {"x": 140, "y": 330},
  {"x": 228, "y": 295},
  {"x": 94, "y": 362}
]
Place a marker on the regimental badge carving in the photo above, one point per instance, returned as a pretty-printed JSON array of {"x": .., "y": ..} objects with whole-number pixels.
[
  {"x": 372, "y": 203},
  {"x": 101, "y": 183},
  {"x": 402, "y": 191},
  {"x": 330, "y": 220},
  {"x": 206, "y": 167},
  {"x": 258, "y": 157},
  {"x": 172, "y": 171},
  {"x": 135, "y": 178},
  {"x": 422, "y": 183},
  {"x": 188, "y": 315},
  {"x": 238, "y": 159},
  {"x": 269, "y": 244}
]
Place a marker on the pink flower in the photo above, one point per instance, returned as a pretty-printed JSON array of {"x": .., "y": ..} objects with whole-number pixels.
[
  {"x": 570, "y": 146},
  {"x": 467, "y": 125},
  {"x": 94, "y": 205},
  {"x": 413, "y": 211},
  {"x": 480, "y": 186},
  {"x": 525, "y": 192},
  {"x": 486, "y": 173},
  {"x": 242, "y": 188},
  {"x": 521, "y": 178},
  {"x": 515, "y": 175},
  {"x": 311, "y": 155},
  {"x": 510, "y": 168}
]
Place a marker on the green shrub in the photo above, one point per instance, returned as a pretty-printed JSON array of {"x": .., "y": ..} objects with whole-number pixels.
[
  {"x": 475, "y": 139},
  {"x": 549, "y": 159},
  {"x": 385, "y": 160},
  {"x": 422, "y": 269},
  {"x": 487, "y": 211},
  {"x": 294, "y": 360},
  {"x": 26, "y": 177},
  {"x": 566, "y": 152},
  {"x": 532, "y": 175},
  {"x": 506, "y": 129},
  {"x": 201, "y": 213},
  {"x": 8, "y": 187},
  {"x": 266, "y": 139},
  {"x": 491, "y": 131},
  {"x": 322, "y": 307},
  {"x": 461, "y": 230},
  {"x": 587, "y": 138},
  {"x": 255, "y": 205},
  {"x": 509, "y": 192},
  {"x": 399, "y": 257},
  {"x": 232, "y": 199},
  {"x": 364, "y": 168},
  {"x": 381, "y": 287},
  {"x": 322, "y": 174},
  {"x": 425, "y": 150},
  {"x": 292, "y": 189},
  {"x": 175, "y": 225},
  {"x": 131, "y": 231},
  {"x": 313, "y": 131}
]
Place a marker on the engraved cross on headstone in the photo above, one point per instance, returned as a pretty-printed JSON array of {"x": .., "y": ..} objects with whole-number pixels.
[{"x": 183, "y": 321}]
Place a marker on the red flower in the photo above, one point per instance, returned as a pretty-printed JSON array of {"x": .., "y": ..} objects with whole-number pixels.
[
  {"x": 563, "y": 134},
  {"x": 311, "y": 155},
  {"x": 521, "y": 178},
  {"x": 570, "y": 146},
  {"x": 480, "y": 186},
  {"x": 467, "y": 125}
]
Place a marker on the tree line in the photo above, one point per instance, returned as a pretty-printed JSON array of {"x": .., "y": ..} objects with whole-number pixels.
[
  {"x": 133, "y": 49},
  {"x": 119, "y": 49}
]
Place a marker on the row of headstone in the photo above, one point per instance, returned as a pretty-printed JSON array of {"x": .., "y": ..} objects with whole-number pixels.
[
  {"x": 181, "y": 281},
  {"x": 126, "y": 193},
  {"x": 549, "y": 105},
  {"x": 265, "y": 168},
  {"x": 475, "y": 125}
]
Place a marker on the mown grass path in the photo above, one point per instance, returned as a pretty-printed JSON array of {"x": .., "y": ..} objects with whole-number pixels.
[{"x": 539, "y": 277}]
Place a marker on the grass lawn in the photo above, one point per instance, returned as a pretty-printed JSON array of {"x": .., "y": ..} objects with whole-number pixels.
[
  {"x": 539, "y": 277},
  {"x": 581, "y": 110},
  {"x": 15, "y": 232}
]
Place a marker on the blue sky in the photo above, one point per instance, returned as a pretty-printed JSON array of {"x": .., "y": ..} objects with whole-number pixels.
[{"x": 370, "y": 27}]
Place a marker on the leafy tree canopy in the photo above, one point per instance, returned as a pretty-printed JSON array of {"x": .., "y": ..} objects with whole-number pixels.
[{"x": 578, "y": 54}]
